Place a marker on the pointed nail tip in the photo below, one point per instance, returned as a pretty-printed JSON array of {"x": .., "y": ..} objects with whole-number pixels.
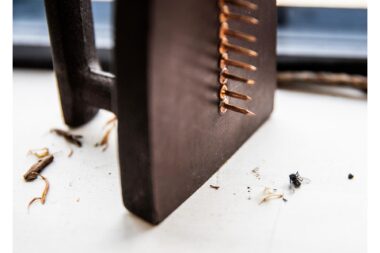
[{"x": 249, "y": 113}]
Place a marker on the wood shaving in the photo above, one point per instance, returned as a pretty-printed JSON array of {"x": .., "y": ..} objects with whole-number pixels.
[
  {"x": 113, "y": 120},
  {"x": 69, "y": 137},
  {"x": 70, "y": 153},
  {"x": 270, "y": 194},
  {"x": 105, "y": 139},
  {"x": 42, "y": 199},
  {"x": 36, "y": 168},
  {"x": 39, "y": 153}
]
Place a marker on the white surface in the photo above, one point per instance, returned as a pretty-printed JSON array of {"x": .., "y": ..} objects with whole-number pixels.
[{"x": 321, "y": 136}]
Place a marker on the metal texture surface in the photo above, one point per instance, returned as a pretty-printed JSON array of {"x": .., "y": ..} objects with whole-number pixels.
[
  {"x": 171, "y": 135},
  {"x": 83, "y": 86}
]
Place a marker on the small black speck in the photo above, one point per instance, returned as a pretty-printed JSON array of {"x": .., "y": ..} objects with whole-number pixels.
[
  {"x": 109, "y": 173},
  {"x": 350, "y": 176},
  {"x": 215, "y": 187},
  {"x": 284, "y": 199}
]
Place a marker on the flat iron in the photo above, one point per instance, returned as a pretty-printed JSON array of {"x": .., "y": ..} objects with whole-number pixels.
[{"x": 193, "y": 80}]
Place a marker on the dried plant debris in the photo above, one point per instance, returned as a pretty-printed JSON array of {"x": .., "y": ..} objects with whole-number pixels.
[
  {"x": 110, "y": 125},
  {"x": 36, "y": 168},
  {"x": 350, "y": 176},
  {"x": 39, "y": 153},
  {"x": 104, "y": 141},
  {"x": 296, "y": 180},
  {"x": 70, "y": 153},
  {"x": 42, "y": 199},
  {"x": 69, "y": 137},
  {"x": 256, "y": 172},
  {"x": 216, "y": 187},
  {"x": 270, "y": 194},
  {"x": 112, "y": 121}
]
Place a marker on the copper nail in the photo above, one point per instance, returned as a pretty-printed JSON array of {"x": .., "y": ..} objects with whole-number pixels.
[
  {"x": 237, "y": 78},
  {"x": 225, "y": 92},
  {"x": 226, "y": 14},
  {"x": 239, "y": 49},
  {"x": 242, "y": 3},
  {"x": 239, "y": 64},
  {"x": 236, "y": 109},
  {"x": 240, "y": 35}
]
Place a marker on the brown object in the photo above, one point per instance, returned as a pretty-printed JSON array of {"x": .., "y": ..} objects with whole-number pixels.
[
  {"x": 214, "y": 187},
  {"x": 42, "y": 199},
  {"x": 104, "y": 141},
  {"x": 36, "y": 168},
  {"x": 332, "y": 79},
  {"x": 225, "y": 92},
  {"x": 171, "y": 135},
  {"x": 71, "y": 138},
  {"x": 234, "y": 42}
]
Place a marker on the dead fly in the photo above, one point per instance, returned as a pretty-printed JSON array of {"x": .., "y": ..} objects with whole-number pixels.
[
  {"x": 296, "y": 180},
  {"x": 110, "y": 125},
  {"x": 70, "y": 138}
]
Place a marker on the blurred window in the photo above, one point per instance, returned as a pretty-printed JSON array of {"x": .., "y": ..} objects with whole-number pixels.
[{"x": 313, "y": 30}]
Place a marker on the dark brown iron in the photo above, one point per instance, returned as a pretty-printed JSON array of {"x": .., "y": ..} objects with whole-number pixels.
[{"x": 171, "y": 135}]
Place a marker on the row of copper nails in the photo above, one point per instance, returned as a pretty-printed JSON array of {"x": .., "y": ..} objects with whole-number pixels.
[{"x": 225, "y": 47}]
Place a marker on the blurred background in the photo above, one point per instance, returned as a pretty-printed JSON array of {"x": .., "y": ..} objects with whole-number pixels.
[{"x": 315, "y": 35}]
